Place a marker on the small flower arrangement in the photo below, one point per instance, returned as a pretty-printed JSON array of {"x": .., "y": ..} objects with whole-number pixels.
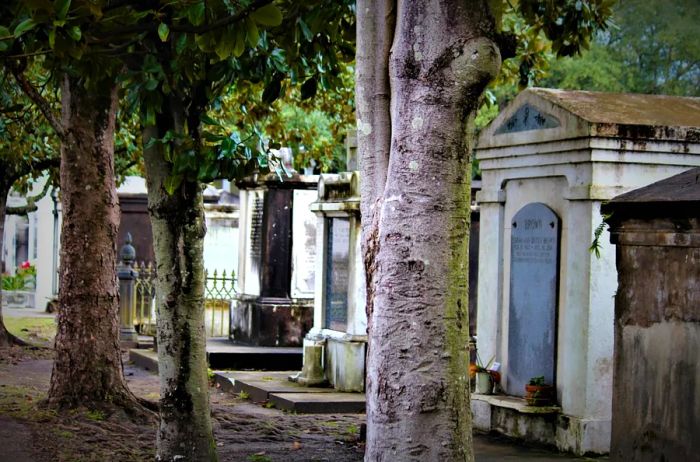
[
  {"x": 23, "y": 279},
  {"x": 490, "y": 368}
]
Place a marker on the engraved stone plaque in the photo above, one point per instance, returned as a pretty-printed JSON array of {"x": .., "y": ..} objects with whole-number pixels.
[
  {"x": 532, "y": 314},
  {"x": 337, "y": 273}
]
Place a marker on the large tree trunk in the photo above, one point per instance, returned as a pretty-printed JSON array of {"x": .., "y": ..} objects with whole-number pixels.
[
  {"x": 417, "y": 386},
  {"x": 185, "y": 430},
  {"x": 88, "y": 366}
]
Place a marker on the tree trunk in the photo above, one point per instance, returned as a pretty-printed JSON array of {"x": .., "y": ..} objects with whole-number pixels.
[
  {"x": 6, "y": 339},
  {"x": 88, "y": 366},
  {"x": 185, "y": 430},
  {"x": 417, "y": 386},
  {"x": 377, "y": 19}
]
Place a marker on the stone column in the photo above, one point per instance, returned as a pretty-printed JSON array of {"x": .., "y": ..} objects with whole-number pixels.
[{"x": 127, "y": 278}]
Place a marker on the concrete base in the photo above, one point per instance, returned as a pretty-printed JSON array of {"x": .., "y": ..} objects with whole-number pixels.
[
  {"x": 345, "y": 364},
  {"x": 262, "y": 321},
  {"x": 546, "y": 425}
]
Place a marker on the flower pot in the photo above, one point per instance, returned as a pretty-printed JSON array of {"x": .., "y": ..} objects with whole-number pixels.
[
  {"x": 484, "y": 383},
  {"x": 539, "y": 395}
]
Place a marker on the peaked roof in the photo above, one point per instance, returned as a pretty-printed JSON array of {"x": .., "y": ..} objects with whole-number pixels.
[{"x": 626, "y": 108}]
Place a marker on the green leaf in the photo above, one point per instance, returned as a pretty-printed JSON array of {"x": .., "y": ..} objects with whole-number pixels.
[
  {"x": 52, "y": 38},
  {"x": 181, "y": 43},
  {"x": 151, "y": 84},
  {"x": 5, "y": 33},
  {"x": 172, "y": 182},
  {"x": 163, "y": 31},
  {"x": 226, "y": 44},
  {"x": 195, "y": 13},
  {"x": 24, "y": 26},
  {"x": 62, "y": 7},
  {"x": 268, "y": 15},
  {"x": 239, "y": 46},
  {"x": 75, "y": 33},
  {"x": 209, "y": 121},
  {"x": 308, "y": 35},
  {"x": 4, "y": 46},
  {"x": 252, "y": 34}
]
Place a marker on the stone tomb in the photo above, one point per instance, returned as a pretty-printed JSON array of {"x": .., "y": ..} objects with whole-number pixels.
[
  {"x": 656, "y": 409},
  {"x": 276, "y": 261},
  {"x": 555, "y": 156},
  {"x": 334, "y": 349}
]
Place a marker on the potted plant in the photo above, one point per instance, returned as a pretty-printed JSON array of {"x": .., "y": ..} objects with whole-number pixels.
[
  {"x": 484, "y": 378},
  {"x": 538, "y": 392}
]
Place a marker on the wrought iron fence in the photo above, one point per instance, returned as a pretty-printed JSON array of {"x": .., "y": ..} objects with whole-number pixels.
[
  {"x": 219, "y": 292},
  {"x": 145, "y": 299}
]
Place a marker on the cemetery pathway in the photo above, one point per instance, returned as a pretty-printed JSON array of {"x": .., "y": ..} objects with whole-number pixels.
[{"x": 244, "y": 431}]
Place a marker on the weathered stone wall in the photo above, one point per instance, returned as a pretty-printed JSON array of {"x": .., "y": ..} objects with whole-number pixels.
[{"x": 657, "y": 334}]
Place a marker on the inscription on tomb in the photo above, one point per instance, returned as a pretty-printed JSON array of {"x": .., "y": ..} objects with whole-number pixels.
[{"x": 534, "y": 254}]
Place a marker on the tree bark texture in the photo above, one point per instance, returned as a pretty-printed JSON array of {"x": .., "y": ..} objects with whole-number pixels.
[
  {"x": 88, "y": 367},
  {"x": 442, "y": 57},
  {"x": 377, "y": 19},
  {"x": 185, "y": 429}
]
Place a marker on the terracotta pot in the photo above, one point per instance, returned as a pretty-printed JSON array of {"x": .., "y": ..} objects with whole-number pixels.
[{"x": 539, "y": 395}]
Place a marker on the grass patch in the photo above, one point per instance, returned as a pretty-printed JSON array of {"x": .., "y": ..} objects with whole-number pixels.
[
  {"x": 32, "y": 330},
  {"x": 95, "y": 415},
  {"x": 259, "y": 458},
  {"x": 23, "y": 403}
]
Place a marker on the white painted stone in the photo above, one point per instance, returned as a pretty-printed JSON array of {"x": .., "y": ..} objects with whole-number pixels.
[
  {"x": 304, "y": 244},
  {"x": 344, "y": 354},
  {"x": 570, "y": 168}
]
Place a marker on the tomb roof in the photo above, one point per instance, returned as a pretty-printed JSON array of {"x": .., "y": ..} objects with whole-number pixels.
[{"x": 626, "y": 108}]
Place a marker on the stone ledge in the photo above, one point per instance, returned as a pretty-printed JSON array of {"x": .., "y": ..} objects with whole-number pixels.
[{"x": 515, "y": 403}]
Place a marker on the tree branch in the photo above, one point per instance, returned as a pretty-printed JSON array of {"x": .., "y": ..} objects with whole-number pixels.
[
  {"x": 31, "y": 202},
  {"x": 38, "y": 99},
  {"x": 23, "y": 210}
]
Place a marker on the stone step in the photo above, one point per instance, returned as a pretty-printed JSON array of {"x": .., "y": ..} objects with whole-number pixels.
[
  {"x": 261, "y": 386},
  {"x": 224, "y": 354},
  {"x": 320, "y": 403}
]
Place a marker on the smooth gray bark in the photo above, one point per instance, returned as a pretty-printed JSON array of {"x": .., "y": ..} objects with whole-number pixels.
[
  {"x": 377, "y": 20},
  {"x": 443, "y": 56}
]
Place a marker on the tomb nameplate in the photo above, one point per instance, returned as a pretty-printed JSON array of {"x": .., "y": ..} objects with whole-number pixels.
[
  {"x": 534, "y": 258},
  {"x": 337, "y": 273}
]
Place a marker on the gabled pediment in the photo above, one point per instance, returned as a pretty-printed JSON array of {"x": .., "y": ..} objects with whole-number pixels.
[{"x": 527, "y": 117}]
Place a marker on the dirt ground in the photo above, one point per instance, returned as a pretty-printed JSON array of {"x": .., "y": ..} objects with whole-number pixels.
[{"x": 244, "y": 431}]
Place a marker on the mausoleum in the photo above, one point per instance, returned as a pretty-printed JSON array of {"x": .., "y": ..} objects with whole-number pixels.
[
  {"x": 335, "y": 348},
  {"x": 276, "y": 261},
  {"x": 546, "y": 301}
]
